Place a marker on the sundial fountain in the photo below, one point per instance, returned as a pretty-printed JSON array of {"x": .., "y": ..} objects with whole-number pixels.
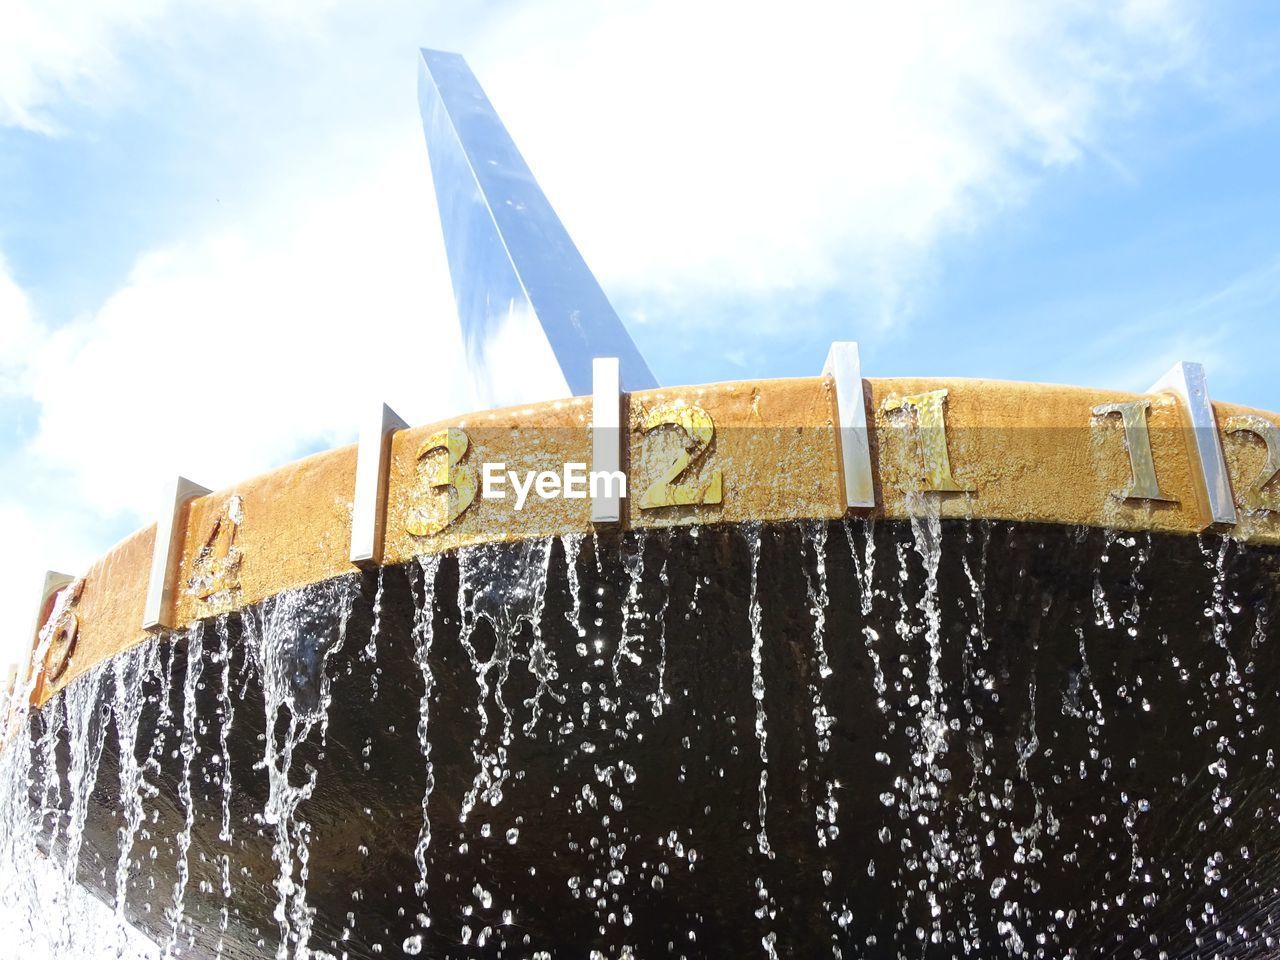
[{"x": 856, "y": 668}]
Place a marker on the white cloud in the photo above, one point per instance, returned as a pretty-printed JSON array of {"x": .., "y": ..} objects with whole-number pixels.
[
  {"x": 19, "y": 333},
  {"x": 753, "y": 148},
  {"x": 693, "y": 150},
  {"x": 223, "y": 357},
  {"x": 57, "y": 50},
  {"x": 229, "y": 354}
]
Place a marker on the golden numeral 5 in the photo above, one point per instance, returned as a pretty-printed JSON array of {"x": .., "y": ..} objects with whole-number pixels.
[
  {"x": 458, "y": 480},
  {"x": 66, "y": 633},
  {"x": 1255, "y": 498},
  {"x": 699, "y": 428}
]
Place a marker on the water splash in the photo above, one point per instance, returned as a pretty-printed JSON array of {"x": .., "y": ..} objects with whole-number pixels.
[
  {"x": 190, "y": 689},
  {"x": 226, "y": 717},
  {"x": 755, "y": 616},
  {"x": 658, "y": 698},
  {"x": 959, "y": 865},
  {"x": 131, "y": 671},
  {"x": 504, "y": 592},
  {"x": 572, "y": 543},
  {"x": 423, "y": 637},
  {"x": 86, "y": 735},
  {"x": 632, "y": 613},
  {"x": 292, "y": 639},
  {"x": 864, "y": 565}
]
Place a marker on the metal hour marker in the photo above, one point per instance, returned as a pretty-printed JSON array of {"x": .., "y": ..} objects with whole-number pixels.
[
  {"x": 1187, "y": 381},
  {"x": 845, "y": 367},
  {"x": 369, "y": 509},
  {"x": 606, "y": 437},
  {"x": 166, "y": 555}
]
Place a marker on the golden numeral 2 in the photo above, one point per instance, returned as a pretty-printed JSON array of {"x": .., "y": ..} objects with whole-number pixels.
[
  {"x": 1255, "y": 498},
  {"x": 699, "y": 430},
  {"x": 458, "y": 480}
]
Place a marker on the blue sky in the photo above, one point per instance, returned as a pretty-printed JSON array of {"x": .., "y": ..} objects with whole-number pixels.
[{"x": 218, "y": 244}]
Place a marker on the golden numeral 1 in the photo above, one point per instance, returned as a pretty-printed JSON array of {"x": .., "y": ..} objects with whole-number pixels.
[
  {"x": 1255, "y": 498},
  {"x": 699, "y": 428},
  {"x": 456, "y": 479},
  {"x": 1142, "y": 466},
  {"x": 931, "y": 418},
  {"x": 215, "y": 570}
]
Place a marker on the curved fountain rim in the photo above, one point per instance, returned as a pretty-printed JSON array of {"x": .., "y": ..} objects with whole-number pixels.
[{"x": 1024, "y": 452}]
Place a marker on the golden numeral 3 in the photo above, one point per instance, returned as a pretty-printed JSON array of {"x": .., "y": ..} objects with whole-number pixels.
[{"x": 458, "y": 480}]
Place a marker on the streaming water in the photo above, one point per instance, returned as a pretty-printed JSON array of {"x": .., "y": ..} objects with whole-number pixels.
[
  {"x": 291, "y": 639},
  {"x": 190, "y": 688},
  {"x": 1005, "y": 741},
  {"x": 423, "y": 635},
  {"x": 864, "y": 565},
  {"x": 755, "y": 615},
  {"x": 501, "y": 595},
  {"x": 225, "y": 718},
  {"x": 572, "y": 544},
  {"x": 132, "y": 670}
]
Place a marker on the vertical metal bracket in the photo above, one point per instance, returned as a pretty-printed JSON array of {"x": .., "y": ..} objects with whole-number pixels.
[
  {"x": 1187, "y": 381},
  {"x": 373, "y": 467},
  {"x": 606, "y": 438},
  {"x": 844, "y": 366},
  {"x": 166, "y": 555}
]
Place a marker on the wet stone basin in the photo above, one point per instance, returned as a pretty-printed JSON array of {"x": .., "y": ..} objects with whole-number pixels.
[{"x": 901, "y": 739}]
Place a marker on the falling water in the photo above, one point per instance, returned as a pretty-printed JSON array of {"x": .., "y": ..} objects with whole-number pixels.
[
  {"x": 190, "y": 687},
  {"x": 864, "y": 565},
  {"x": 292, "y": 639},
  {"x": 226, "y": 717},
  {"x": 1114, "y": 788},
  {"x": 503, "y": 595},
  {"x": 423, "y": 634},
  {"x": 757, "y": 684},
  {"x": 132, "y": 670},
  {"x": 572, "y": 544},
  {"x": 632, "y": 614}
]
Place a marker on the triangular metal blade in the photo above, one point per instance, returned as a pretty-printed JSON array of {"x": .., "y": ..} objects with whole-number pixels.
[{"x": 533, "y": 315}]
